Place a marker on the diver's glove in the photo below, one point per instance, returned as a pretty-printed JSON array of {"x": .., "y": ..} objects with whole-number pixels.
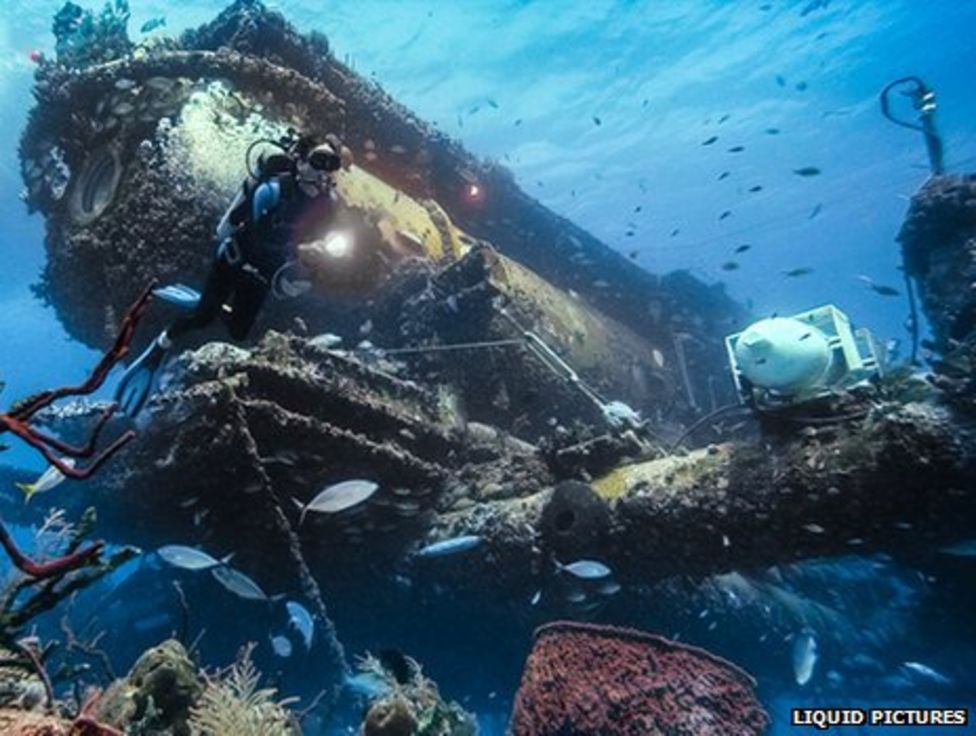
[
  {"x": 181, "y": 295},
  {"x": 138, "y": 379}
]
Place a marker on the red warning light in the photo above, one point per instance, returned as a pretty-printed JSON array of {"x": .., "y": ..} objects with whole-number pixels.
[{"x": 474, "y": 193}]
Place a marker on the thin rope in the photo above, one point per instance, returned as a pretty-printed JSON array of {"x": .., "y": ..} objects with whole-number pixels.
[{"x": 442, "y": 348}]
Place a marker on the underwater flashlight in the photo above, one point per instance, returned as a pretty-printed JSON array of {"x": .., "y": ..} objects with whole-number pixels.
[{"x": 337, "y": 245}]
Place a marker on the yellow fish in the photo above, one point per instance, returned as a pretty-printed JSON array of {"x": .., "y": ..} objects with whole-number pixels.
[{"x": 49, "y": 479}]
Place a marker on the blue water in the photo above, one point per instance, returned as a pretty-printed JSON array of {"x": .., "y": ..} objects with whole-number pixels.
[{"x": 658, "y": 76}]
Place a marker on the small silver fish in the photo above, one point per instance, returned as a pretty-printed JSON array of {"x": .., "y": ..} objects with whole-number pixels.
[
  {"x": 151, "y": 25},
  {"x": 576, "y": 596},
  {"x": 452, "y": 546},
  {"x": 123, "y": 109},
  {"x": 960, "y": 549},
  {"x": 238, "y": 583},
  {"x": 325, "y": 341},
  {"x": 406, "y": 508},
  {"x": 282, "y": 646},
  {"x": 189, "y": 558},
  {"x": 338, "y": 497},
  {"x": 160, "y": 84},
  {"x": 301, "y": 620},
  {"x": 610, "y": 588},
  {"x": 927, "y": 672},
  {"x": 536, "y": 597},
  {"x": 585, "y": 569},
  {"x": 804, "y": 656}
]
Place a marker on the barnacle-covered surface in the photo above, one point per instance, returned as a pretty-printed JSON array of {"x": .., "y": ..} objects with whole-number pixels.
[
  {"x": 276, "y": 423},
  {"x": 939, "y": 241},
  {"x": 133, "y": 158},
  {"x": 132, "y": 154}
]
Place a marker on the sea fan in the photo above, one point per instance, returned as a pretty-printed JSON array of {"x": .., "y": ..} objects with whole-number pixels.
[
  {"x": 53, "y": 534},
  {"x": 233, "y": 704}
]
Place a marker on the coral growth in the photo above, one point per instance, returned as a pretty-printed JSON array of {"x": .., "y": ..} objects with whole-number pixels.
[
  {"x": 938, "y": 240},
  {"x": 209, "y": 142},
  {"x": 157, "y": 694},
  {"x": 232, "y": 703},
  {"x": 412, "y": 705},
  {"x": 46, "y": 582},
  {"x": 15, "y": 722},
  {"x": 597, "y": 680},
  {"x": 84, "y": 38},
  {"x": 163, "y": 695},
  {"x": 40, "y": 586},
  {"x": 390, "y": 717}
]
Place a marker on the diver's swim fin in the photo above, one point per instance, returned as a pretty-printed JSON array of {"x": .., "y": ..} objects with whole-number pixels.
[
  {"x": 181, "y": 295},
  {"x": 138, "y": 379}
]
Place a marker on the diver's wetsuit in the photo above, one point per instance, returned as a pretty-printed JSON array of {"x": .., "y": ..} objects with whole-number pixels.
[{"x": 257, "y": 238}]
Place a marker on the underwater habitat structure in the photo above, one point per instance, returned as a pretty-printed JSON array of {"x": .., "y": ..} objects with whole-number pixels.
[
  {"x": 511, "y": 422},
  {"x": 173, "y": 126}
]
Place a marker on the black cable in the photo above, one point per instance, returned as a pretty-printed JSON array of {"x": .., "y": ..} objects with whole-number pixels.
[
  {"x": 823, "y": 421},
  {"x": 924, "y": 101},
  {"x": 707, "y": 418},
  {"x": 913, "y": 312},
  {"x": 920, "y": 89}
]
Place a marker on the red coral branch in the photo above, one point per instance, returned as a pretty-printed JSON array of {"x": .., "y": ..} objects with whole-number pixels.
[
  {"x": 86, "y": 725},
  {"x": 17, "y": 421},
  {"x": 58, "y": 566},
  {"x": 27, "y": 649},
  {"x": 80, "y": 451}
]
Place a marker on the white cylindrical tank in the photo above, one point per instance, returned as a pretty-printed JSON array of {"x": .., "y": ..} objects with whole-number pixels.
[{"x": 783, "y": 354}]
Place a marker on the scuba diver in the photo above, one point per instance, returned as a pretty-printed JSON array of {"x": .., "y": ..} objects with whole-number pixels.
[{"x": 286, "y": 203}]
